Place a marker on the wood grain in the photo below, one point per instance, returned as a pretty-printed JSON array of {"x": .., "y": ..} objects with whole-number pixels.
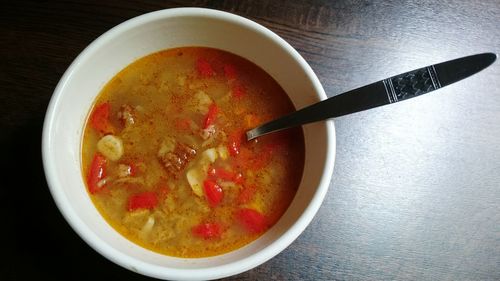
[{"x": 416, "y": 188}]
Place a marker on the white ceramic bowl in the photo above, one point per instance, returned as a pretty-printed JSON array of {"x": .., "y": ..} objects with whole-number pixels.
[{"x": 143, "y": 35}]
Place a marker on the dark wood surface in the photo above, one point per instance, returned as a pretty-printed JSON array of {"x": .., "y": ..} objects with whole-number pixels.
[{"x": 416, "y": 188}]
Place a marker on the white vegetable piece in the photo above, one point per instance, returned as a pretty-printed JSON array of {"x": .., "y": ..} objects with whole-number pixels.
[
  {"x": 111, "y": 147},
  {"x": 195, "y": 178},
  {"x": 197, "y": 174},
  {"x": 223, "y": 152},
  {"x": 210, "y": 155},
  {"x": 103, "y": 182},
  {"x": 208, "y": 132},
  {"x": 148, "y": 226},
  {"x": 166, "y": 146},
  {"x": 202, "y": 101}
]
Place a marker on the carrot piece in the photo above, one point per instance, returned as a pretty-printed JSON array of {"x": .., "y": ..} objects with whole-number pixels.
[
  {"x": 211, "y": 115},
  {"x": 204, "y": 68},
  {"x": 213, "y": 192},
  {"x": 251, "y": 220},
  {"x": 230, "y": 72},
  {"x": 97, "y": 172},
  {"x": 145, "y": 200},
  {"x": 207, "y": 230},
  {"x": 99, "y": 119}
]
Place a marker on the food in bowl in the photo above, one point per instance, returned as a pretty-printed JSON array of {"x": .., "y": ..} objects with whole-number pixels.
[
  {"x": 76, "y": 93},
  {"x": 165, "y": 160}
]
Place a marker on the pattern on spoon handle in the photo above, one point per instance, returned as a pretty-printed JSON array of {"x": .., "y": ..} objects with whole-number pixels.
[{"x": 411, "y": 84}]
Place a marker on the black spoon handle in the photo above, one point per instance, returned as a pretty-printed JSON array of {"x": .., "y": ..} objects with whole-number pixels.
[{"x": 394, "y": 89}]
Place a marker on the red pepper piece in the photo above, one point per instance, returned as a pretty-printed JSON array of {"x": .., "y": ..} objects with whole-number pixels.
[
  {"x": 253, "y": 221},
  {"x": 213, "y": 192},
  {"x": 207, "y": 230},
  {"x": 204, "y": 68},
  {"x": 99, "y": 119},
  {"x": 145, "y": 200},
  {"x": 211, "y": 115},
  {"x": 96, "y": 173}
]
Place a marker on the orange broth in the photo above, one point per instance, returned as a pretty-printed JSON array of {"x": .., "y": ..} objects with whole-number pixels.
[{"x": 165, "y": 160}]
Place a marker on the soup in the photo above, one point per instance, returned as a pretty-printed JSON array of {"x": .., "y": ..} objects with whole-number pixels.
[{"x": 166, "y": 162}]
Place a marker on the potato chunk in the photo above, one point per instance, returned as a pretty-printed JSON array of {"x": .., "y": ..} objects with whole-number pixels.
[{"x": 111, "y": 147}]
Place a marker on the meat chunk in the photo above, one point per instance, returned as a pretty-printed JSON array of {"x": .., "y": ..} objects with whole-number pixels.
[{"x": 174, "y": 156}]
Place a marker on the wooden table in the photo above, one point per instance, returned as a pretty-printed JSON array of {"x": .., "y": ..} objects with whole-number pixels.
[{"x": 416, "y": 188}]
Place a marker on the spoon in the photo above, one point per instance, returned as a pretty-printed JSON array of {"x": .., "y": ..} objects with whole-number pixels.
[{"x": 391, "y": 90}]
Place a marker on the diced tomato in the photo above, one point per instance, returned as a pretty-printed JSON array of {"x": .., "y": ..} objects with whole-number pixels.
[
  {"x": 213, "y": 192},
  {"x": 253, "y": 221},
  {"x": 207, "y": 230},
  {"x": 238, "y": 91},
  {"x": 204, "y": 68},
  {"x": 99, "y": 119},
  {"x": 145, "y": 200},
  {"x": 210, "y": 117},
  {"x": 230, "y": 72},
  {"x": 97, "y": 172},
  {"x": 220, "y": 173},
  {"x": 235, "y": 139},
  {"x": 246, "y": 194}
]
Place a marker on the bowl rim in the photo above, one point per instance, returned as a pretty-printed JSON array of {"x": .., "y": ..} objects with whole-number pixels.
[{"x": 157, "y": 271}]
